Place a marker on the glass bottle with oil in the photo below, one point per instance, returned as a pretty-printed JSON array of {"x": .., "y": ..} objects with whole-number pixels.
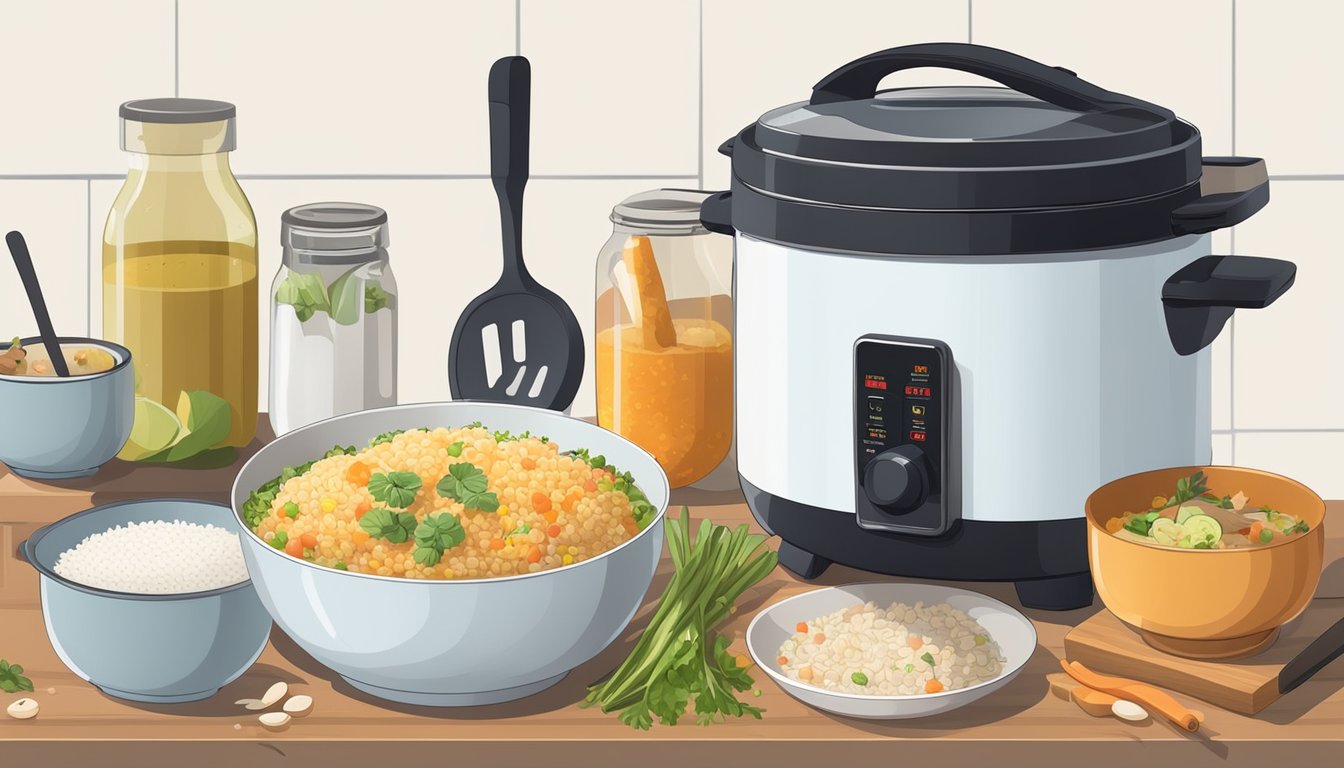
[{"x": 180, "y": 280}]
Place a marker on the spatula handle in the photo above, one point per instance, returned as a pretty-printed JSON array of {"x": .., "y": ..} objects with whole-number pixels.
[{"x": 510, "y": 94}]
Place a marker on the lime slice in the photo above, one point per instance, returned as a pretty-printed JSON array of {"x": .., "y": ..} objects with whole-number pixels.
[
  {"x": 1166, "y": 532},
  {"x": 1201, "y": 532},
  {"x": 1185, "y": 513},
  {"x": 155, "y": 428}
]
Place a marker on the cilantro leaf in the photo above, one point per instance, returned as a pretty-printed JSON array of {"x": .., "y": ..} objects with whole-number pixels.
[
  {"x": 280, "y": 540},
  {"x": 455, "y": 449},
  {"x": 396, "y": 489},
  {"x": 466, "y": 483},
  {"x": 381, "y": 523},
  {"x": 435, "y": 535},
  {"x": 12, "y": 679},
  {"x": 927, "y": 658}
]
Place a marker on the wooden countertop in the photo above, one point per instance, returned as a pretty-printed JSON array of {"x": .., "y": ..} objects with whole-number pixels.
[{"x": 1020, "y": 725}]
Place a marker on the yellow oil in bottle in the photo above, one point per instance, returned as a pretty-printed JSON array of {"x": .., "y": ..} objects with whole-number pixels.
[{"x": 187, "y": 310}]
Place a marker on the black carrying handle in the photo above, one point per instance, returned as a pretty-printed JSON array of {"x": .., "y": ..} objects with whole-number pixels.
[
  {"x": 716, "y": 213},
  {"x": 1232, "y": 189},
  {"x": 510, "y": 95},
  {"x": 1200, "y": 298},
  {"x": 859, "y": 78},
  {"x": 1312, "y": 659}
]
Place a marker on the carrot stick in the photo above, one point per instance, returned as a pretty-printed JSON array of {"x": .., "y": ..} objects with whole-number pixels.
[
  {"x": 1147, "y": 696},
  {"x": 655, "y": 319}
]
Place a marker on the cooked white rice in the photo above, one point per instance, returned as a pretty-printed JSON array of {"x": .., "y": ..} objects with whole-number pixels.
[
  {"x": 879, "y": 652},
  {"x": 156, "y": 558}
]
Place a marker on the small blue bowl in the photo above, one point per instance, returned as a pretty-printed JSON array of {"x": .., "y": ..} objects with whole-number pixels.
[
  {"x": 151, "y": 648},
  {"x": 62, "y": 427}
]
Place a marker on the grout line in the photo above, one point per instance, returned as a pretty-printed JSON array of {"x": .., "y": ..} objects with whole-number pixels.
[
  {"x": 88, "y": 259},
  {"x": 700, "y": 136},
  {"x": 357, "y": 176},
  {"x": 517, "y": 27},
  {"x": 1232, "y": 238},
  {"x": 1307, "y": 176},
  {"x": 1284, "y": 431},
  {"x": 970, "y": 21},
  {"x": 1233, "y": 70},
  {"x": 177, "y": 91}
]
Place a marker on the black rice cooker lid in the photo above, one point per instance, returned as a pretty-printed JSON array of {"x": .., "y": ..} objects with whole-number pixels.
[{"x": 1046, "y": 141}]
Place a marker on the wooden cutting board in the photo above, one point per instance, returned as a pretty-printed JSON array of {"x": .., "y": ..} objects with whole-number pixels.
[{"x": 1108, "y": 645}]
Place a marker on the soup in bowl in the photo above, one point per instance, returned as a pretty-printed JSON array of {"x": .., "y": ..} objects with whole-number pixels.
[{"x": 1217, "y": 588}]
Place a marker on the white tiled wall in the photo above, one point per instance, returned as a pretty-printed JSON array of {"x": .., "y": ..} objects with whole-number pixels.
[{"x": 385, "y": 103}]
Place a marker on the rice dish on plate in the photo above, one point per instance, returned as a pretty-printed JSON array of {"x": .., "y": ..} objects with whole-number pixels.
[
  {"x": 900, "y": 650},
  {"x": 156, "y": 558}
]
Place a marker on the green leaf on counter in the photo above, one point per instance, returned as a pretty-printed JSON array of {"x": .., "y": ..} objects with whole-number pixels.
[{"x": 12, "y": 679}]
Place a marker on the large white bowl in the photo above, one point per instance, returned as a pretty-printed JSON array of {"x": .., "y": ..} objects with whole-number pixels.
[
  {"x": 1010, "y": 629},
  {"x": 461, "y": 642}
]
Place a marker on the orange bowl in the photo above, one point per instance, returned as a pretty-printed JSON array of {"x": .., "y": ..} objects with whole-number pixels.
[{"x": 1212, "y": 604}]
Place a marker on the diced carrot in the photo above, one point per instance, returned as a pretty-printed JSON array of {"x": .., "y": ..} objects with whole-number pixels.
[
  {"x": 294, "y": 547},
  {"x": 358, "y": 473},
  {"x": 529, "y": 463},
  {"x": 916, "y": 642},
  {"x": 551, "y": 515},
  {"x": 534, "y": 554},
  {"x": 819, "y": 638},
  {"x": 933, "y": 686},
  {"x": 1254, "y": 533},
  {"x": 589, "y": 486},
  {"x": 541, "y": 502},
  {"x": 362, "y": 508},
  {"x": 309, "y": 540},
  {"x": 802, "y": 627},
  {"x": 360, "y": 537},
  {"x": 783, "y": 660},
  {"x": 552, "y": 530},
  {"x": 571, "y": 501},
  {"x": 496, "y": 543},
  {"x": 1114, "y": 525}
]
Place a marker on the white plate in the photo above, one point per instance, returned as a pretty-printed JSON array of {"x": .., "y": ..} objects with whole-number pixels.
[{"x": 1010, "y": 629}]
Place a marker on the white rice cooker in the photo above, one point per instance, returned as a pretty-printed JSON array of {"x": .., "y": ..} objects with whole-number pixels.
[{"x": 960, "y": 310}]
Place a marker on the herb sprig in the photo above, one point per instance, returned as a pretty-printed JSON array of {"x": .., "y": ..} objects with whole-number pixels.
[
  {"x": 466, "y": 483},
  {"x": 435, "y": 535},
  {"x": 679, "y": 657},
  {"x": 388, "y": 524},
  {"x": 12, "y": 679},
  {"x": 395, "y": 489}
]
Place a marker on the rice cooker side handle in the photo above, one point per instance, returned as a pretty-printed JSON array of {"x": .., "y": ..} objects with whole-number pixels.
[
  {"x": 1055, "y": 85},
  {"x": 716, "y": 213},
  {"x": 1231, "y": 190},
  {"x": 1200, "y": 297}
]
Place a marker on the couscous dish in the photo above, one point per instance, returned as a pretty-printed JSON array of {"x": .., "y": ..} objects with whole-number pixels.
[{"x": 445, "y": 503}]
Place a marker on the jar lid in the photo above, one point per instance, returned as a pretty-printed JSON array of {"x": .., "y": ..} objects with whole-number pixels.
[
  {"x": 335, "y": 233},
  {"x": 175, "y": 110},
  {"x": 665, "y": 211}
]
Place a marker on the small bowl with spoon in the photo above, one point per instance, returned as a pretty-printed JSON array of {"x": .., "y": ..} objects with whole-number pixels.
[{"x": 69, "y": 401}]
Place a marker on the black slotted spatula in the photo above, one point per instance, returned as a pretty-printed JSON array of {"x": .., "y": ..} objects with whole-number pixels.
[{"x": 518, "y": 342}]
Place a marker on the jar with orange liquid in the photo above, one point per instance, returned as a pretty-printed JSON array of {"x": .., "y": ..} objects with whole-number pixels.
[{"x": 664, "y": 347}]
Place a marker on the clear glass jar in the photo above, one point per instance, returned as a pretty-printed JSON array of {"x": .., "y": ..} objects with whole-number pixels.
[
  {"x": 333, "y": 315},
  {"x": 664, "y": 341},
  {"x": 180, "y": 279}
]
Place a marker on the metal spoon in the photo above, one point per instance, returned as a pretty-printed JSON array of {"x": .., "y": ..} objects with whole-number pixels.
[{"x": 23, "y": 261}]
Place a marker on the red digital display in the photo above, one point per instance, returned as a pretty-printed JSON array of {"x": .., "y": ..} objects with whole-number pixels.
[
  {"x": 874, "y": 382},
  {"x": 919, "y": 391},
  {"x": 921, "y": 369},
  {"x": 918, "y": 436}
]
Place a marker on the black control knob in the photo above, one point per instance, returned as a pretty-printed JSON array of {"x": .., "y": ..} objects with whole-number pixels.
[{"x": 897, "y": 480}]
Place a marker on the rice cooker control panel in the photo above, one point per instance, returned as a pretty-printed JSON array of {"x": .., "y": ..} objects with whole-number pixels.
[{"x": 902, "y": 420}]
